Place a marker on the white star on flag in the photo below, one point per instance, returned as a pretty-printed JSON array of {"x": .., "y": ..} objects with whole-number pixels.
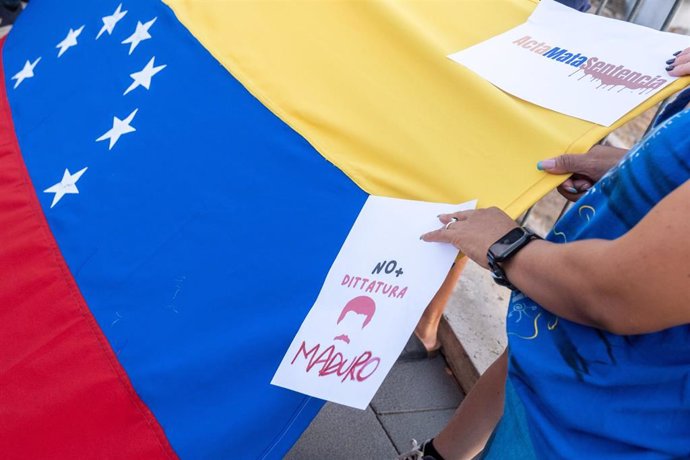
[
  {"x": 109, "y": 22},
  {"x": 26, "y": 72},
  {"x": 119, "y": 128},
  {"x": 69, "y": 41},
  {"x": 143, "y": 77},
  {"x": 140, "y": 34},
  {"x": 67, "y": 185}
]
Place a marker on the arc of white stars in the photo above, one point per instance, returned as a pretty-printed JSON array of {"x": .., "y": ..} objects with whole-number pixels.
[
  {"x": 69, "y": 41},
  {"x": 109, "y": 22},
  {"x": 143, "y": 77},
  {"x": 26, "y": 72},
  {"x": 68, "y": 185},
  {"x": 140, "y": 34},
  {"x": 120, "y": 127}
]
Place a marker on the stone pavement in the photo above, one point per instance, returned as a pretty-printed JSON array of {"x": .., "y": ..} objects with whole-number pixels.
[{"x": 415, "y": 401}]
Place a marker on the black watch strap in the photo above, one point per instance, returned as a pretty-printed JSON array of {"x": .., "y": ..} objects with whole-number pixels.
[
  {"x": 499, "y": 276},
  {"x": 504, "y": 249}
]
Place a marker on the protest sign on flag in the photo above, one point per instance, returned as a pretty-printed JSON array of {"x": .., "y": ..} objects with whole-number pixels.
[{"x": 375, "y": 292}]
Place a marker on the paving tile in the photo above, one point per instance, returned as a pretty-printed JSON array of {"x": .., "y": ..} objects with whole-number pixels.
[
  {"x": 418, "y": 425},
  {"x": 340, "y": 432},
  {"x": 418, "y": 385}
]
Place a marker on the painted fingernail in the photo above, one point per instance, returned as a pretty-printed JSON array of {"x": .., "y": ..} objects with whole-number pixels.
[
  {"x": 671, "y": 61},
  {"x": 571, "y": 189},
  {"x": 670, "y": 68},
  {"x": 677, "y": 53},
  {"x": 546, "y": 164}
]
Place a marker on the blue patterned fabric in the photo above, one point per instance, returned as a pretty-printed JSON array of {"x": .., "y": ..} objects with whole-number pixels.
[
  {"x": 678, "y": 103},
  {"x": 585, "y": 393}
]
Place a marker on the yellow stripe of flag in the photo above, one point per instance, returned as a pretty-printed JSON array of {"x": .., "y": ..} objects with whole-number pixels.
[{"x": 368, "y": 84}]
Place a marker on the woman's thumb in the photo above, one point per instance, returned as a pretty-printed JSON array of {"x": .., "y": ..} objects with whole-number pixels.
[{"x": 563, "y": 164}]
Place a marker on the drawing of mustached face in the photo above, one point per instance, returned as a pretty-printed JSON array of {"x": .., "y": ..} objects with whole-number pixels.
[{"x": 360, "y": 308}]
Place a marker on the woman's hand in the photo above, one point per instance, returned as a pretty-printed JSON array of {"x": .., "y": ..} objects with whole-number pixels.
[
  {"x": 586, "y": 168},
  {"x": 679, "y": 64},
  {"x": 473, "y": 232}
]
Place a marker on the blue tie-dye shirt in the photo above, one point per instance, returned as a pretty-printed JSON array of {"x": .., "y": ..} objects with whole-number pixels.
[{"x": 577, "y": 392}]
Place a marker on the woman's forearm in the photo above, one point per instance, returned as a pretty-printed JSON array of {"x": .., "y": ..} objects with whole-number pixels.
[
  {"x": 564, "y": 278},
  {"x": 636, "y": 284}
]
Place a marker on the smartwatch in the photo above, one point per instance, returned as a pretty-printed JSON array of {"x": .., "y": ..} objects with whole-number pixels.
[{"x": 505, "y": 248}]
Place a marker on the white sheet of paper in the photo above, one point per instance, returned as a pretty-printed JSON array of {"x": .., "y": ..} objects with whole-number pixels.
[
  {"x": 374, "y": 294},
  {"x": 608, "y": 66}
]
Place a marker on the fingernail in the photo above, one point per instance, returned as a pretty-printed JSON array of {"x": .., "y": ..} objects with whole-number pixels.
[
  {"x": 677, "y": 53},
  {"x": 670, "y": 68},
  {"x": 571, "y": 189},
  {"x": 586, "y": 187},
  {"x": 546, "y": 164},
  {"x": 671, "y": 61}
]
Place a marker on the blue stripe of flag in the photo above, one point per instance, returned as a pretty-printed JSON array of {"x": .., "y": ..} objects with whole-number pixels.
[{"x": 201, "y": 239}]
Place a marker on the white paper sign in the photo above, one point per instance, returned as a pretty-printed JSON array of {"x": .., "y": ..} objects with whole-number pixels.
[
  {"x": 579, "y": 64},
  {"x": 375, "y": 292}
]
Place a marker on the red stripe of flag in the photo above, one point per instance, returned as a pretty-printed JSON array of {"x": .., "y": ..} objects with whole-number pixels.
[{"x": 63, "y": 393}]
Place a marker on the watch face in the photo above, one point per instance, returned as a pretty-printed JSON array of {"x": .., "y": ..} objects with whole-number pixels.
[
  {"x": 503, "y": 247},
  {"x": 511, "y": 237}
]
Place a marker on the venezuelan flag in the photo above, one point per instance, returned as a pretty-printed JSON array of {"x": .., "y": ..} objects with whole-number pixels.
[{"x": 176, "y": 179}]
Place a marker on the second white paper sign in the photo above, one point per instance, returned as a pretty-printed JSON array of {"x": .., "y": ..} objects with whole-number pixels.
[{"x": 579, "y": 64}]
